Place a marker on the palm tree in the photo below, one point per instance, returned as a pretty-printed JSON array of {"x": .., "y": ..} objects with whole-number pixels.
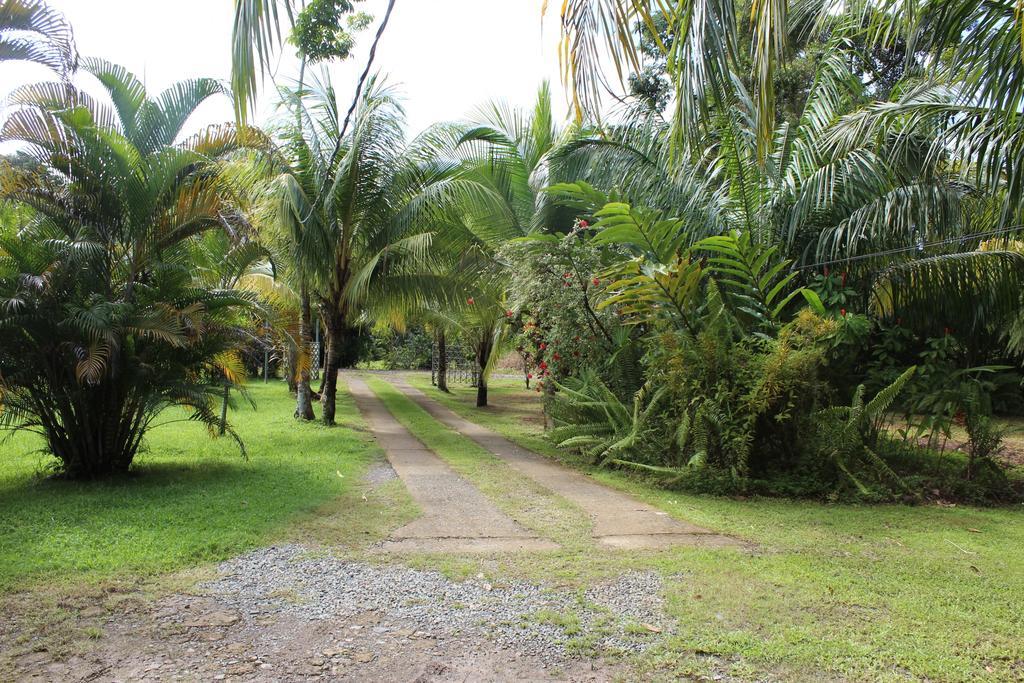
[
  {"x": 31, "y": 31},
  {"x": 359, "y": 220},
  {"x": 501, "y": 163},
  {"x": 256, "y": 35},
  {"x": 103, "y": 323},
  {"x": 937, "y": 164}
]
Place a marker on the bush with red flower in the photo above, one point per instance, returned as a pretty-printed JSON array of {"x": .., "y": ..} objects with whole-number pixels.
[{"x": 557, "y": 323}]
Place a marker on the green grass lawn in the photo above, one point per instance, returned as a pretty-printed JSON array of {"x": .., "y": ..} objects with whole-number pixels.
[
  {"x": 827, "y": 591},
  {"x": 189, "y": 500},
  {"x": 830, "y": 591}
]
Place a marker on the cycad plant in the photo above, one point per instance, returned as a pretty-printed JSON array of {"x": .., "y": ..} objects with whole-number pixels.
[
  {"x": 588, "y": 416},
  {"x": 103, "y": 324},
  {"x": 848, "y": 435}
]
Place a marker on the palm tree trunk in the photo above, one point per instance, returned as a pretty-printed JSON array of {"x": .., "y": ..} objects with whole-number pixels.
[
  {"x": 442, "y": 362},
  {"x": 323, "y": 353},
  {"x": 303, "y": 402},
  {"x": 336, "y": 338},
  {"x": 481, "y": 392},
  {"x": 291, "y": 367},
  {"x": 95, "y": 432},
  {"x": 483, "y": 355},
  {"x": 549, "y": 396},
  {"x": 224, "y": 409}
]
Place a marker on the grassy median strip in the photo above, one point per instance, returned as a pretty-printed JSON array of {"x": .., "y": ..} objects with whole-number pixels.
[
  {"x": 513, "y": 412},
  {"x": 536, "y": 508}
]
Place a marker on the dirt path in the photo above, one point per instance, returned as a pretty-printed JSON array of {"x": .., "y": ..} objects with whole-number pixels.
[
  {"x": 620, "y": 521},
  {"x": 456, "y": 516}
]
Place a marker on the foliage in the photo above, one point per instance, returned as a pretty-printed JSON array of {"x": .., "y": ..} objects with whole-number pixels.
[
  {"x": 318, "y": 32},
  {"x": 754, "y": 279},
  {"x": 33, "y": 31},
  {"x": 391, "y": 350},
  {"x": 500, "y": 165},
  {"x": 554, "y": 312},
  {"x": 971, "y": 291},
  {"x": 589, "y": 417},
  {"x": 731, "y": 391},
  {"x": 836, "y": 296},
  {"x": 357, "y": 222},
  {"x": 102, "y": 324},
  {"x": 847, "y": 435}
]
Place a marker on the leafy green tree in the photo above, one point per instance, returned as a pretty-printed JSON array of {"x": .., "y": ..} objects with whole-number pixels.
[
  {"x": 500, "y": 165},
  {"x": 316, "y": 31}
]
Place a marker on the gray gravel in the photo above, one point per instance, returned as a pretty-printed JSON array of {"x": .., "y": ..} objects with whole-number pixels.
[
  {"x": 624, "y": 615},
  {"x": 380, "y": 473}
]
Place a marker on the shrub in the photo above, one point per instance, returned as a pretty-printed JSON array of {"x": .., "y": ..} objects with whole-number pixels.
[{"x": 102, "y": 325}]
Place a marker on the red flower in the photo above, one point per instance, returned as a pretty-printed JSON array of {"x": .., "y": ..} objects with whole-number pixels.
[
  {"x": 470, "y": 301},
  {"x": 543, "y": 365},
  {"x": 508, "y": 314},
  {"x": 596, "y": 282},
  {"x": 584, "y": 224},
  {"x": 529, "y": 375},
  {"x": 543, "y": 346},
  {"x": 567, "y": 275},
  {"x": 842, "y": 312},
  {"x": 557, "y": 357}
]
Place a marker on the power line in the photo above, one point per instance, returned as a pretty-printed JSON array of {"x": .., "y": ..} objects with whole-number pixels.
[{"x": 915, "y": 247}]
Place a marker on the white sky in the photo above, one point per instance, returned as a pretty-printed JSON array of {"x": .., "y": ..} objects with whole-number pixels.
[{"x": 447, "y": 56}]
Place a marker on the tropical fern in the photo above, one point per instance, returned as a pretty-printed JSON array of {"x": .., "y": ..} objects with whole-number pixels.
[
  {"x": 848, "y": 434},
  {"x": 755, "y": 279},
  {"x": 591, "y": 418}
]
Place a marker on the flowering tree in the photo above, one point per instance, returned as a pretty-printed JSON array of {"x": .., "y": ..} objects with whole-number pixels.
[{"x": 554, "y": 315}]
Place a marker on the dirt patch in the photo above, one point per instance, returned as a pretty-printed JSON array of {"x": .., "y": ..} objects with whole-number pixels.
[
  {"x": 292, "y": 613},
  {"x": 287, "y": 647}
]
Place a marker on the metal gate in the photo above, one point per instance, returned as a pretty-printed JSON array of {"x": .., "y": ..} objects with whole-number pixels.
[{"x": 461, "y": 368}]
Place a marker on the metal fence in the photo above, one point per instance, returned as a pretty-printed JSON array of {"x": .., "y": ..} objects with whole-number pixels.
[{"x": 461, "y": 368}]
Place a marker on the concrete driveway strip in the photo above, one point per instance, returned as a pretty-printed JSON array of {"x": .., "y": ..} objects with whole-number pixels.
[
  {"x": 620, "y": 521},
  {"x": 457, "y": 517}
]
